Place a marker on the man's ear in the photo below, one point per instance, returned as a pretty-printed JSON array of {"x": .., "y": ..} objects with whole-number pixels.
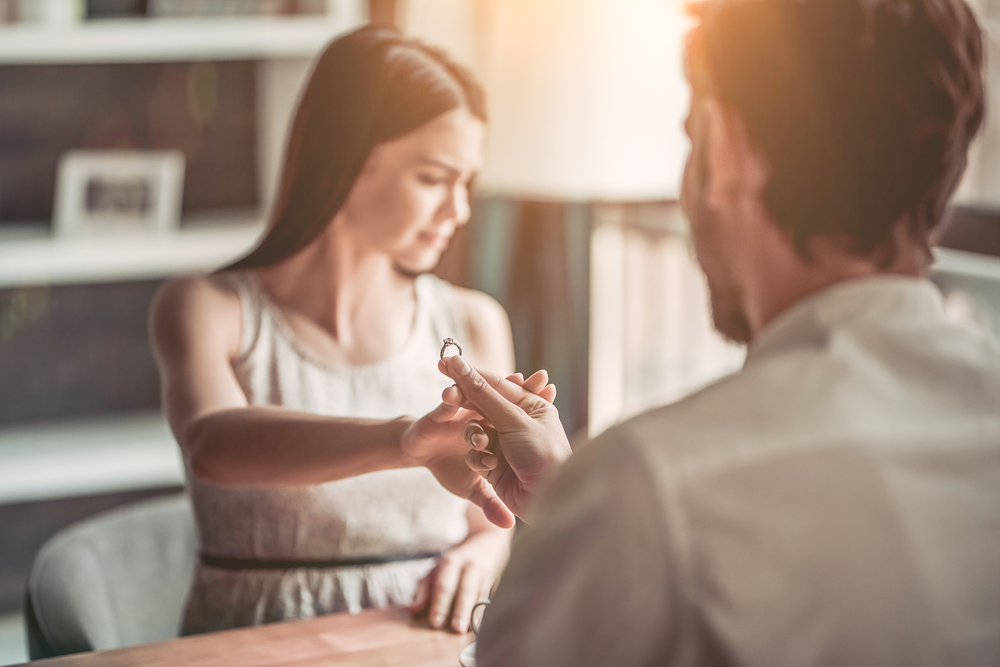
[{"x": 737, "y": 170}]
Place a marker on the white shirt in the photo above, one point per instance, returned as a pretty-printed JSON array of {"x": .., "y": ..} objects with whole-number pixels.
[{"x": 837, "y": 502}]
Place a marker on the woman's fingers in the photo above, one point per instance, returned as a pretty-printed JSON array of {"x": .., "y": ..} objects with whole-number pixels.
[
  {"x": 495, "y": 398},
  {"x": 548, "y": 393},
  {"x": 451, "y": 590},
  {"x": 490, "y": 466},
  {"x": 443, "y": 591},
  {"x": 481, "y": 462},
  {"x": 468, "y": 592},
  {"x": 453, "y": 396},
  {"x": 485, "y": 497},
  {"x": 420, "y": 598},
  {"x": 443, "y": 413},
  {"x": 476, "y": 436}
]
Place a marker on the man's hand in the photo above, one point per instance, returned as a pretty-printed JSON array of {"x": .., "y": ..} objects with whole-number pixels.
[
  {"x": 435, "y": 441},
  {"x": 530, "y": 439}
]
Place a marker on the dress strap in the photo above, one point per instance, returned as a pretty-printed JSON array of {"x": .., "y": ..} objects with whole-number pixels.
[{"x": 251, "y": 306}]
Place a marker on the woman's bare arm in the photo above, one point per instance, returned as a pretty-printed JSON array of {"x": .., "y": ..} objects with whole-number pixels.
[{"x": 195, "y": 327}]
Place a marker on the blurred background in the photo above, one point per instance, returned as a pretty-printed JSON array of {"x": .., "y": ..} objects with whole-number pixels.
[{"x": 575, "y": 230}]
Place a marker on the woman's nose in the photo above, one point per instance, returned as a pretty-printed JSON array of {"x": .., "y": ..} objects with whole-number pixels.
[{"x": 458, "y": 207}]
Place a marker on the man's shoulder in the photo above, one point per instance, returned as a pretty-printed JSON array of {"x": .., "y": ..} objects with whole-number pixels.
[
  {"x": 694, "y": 426},
  {"x": 848, "y": 394}
]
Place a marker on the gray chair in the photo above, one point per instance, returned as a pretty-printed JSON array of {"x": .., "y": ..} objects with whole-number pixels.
[{"x": 115, "y": 579}]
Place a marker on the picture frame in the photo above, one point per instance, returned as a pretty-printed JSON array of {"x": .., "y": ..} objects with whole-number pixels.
[{"x": 118, "y": 192}]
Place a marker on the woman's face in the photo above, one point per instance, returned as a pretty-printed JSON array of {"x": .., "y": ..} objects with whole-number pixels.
[{"x": 413, "y": 192}]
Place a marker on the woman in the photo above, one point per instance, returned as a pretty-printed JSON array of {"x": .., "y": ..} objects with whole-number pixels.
[{"x": 285, "y": 376}]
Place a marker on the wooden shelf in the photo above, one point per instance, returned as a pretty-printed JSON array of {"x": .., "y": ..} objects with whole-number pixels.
[
  {"x": 42, "y": 260},
  {"x": 166, "y": 40},
  {"x": 90, "y": 456}
]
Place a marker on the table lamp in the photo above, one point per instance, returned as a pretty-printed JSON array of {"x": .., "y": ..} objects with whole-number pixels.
[{"x": 586, "y": 100}]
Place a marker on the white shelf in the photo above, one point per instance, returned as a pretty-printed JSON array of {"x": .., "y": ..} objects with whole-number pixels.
[
  {"x": 958, "y": 262},
  {"x": 43, "y": 260},
  {"x": 165, "y": 40},
  {"x": 84, "y": 457}
]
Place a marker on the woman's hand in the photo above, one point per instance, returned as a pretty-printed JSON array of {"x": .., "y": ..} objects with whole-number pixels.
[
  {"x": 437, "y": 435},
  {"x": 436, "y": 441},
  {"x": 461, "y": 577}
]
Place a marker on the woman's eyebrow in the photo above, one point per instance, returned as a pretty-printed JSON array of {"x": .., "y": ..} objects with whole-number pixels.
[{"x": 442, "y": 164}]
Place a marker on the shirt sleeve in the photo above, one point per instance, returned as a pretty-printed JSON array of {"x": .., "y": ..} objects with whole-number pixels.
[{"x": 590, "y": 581}]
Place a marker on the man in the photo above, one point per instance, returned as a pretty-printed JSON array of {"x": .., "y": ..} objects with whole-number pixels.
[{"x": 838, "y": 501}]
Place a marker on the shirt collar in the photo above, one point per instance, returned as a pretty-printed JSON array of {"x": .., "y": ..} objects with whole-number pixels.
[{"x": 875, "y": 299}]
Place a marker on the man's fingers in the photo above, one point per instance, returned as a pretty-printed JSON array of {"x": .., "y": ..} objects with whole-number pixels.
[
  {"x": 482, "y": 393},
  {"x": 536, "y": 382},
  {"x": 501, "y": 401}
]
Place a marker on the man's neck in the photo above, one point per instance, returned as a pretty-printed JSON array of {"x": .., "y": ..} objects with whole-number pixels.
[{"x": 788, "y": 277}]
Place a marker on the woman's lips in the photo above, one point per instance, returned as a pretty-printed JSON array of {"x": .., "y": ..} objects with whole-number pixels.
[{"x": 436, "y": 241}]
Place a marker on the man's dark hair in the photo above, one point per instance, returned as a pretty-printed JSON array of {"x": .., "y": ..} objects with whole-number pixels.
[{"x": 864, "y": 109}]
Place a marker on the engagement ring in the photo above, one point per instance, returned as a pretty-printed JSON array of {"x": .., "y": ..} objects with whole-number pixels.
[{"x": 448, "y": 342}]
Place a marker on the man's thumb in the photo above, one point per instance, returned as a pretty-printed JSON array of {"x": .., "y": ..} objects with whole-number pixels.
[{"x": 480, "y": 389}]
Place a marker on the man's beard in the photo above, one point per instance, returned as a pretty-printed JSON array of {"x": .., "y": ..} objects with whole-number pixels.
[{"x": 728, "y": 313}]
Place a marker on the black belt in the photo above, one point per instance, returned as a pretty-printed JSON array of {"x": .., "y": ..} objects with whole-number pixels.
[{"x": 227, "y": 563}]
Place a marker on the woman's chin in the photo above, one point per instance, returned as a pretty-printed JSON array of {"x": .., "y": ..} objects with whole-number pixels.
[{"x": 414, "y": 266}]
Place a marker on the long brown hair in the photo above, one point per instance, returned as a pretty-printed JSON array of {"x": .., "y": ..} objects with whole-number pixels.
[{"x": 368, "y": 87}]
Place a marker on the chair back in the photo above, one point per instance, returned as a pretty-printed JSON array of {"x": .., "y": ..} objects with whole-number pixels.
[{"x": 116, "y": 579}]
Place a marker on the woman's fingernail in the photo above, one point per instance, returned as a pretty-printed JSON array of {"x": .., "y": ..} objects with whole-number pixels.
[{"x": 438, "y": 620}]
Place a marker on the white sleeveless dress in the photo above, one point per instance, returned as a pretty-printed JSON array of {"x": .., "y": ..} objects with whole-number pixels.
[{"x": 389, "y": 513}]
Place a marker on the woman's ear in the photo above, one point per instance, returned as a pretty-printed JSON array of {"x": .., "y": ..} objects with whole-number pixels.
[{"x": 736, "y": 169}]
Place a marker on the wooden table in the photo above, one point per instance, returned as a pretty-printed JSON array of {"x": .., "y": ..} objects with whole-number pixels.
[{"x": 385, "y": 638}]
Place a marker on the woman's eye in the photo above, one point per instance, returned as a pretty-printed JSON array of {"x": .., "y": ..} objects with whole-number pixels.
[{"x": 428, "y": 179}]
